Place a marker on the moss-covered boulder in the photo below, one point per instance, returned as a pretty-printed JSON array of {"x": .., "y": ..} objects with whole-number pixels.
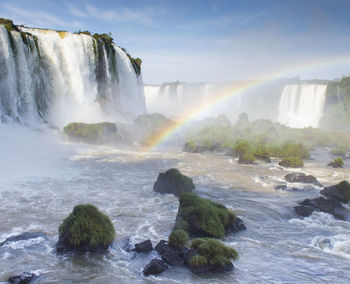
[
  {"x": 292, "y": 162},
  {"x": 93, "y": 133},
  {"x": 178, "y": 239},
  {"x": 339, "y": 192},
  {"x": 86, "y": 229},
  {"x": 211, "y": 255},
  {"x": 173, "y": 181},
  {"x": 204, "y": 218},
  {"x": 336, "y": 163}
]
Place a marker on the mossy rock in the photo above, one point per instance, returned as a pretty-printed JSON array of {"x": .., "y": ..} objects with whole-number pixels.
[
  {"x": 246, "y": 159},
  {"x": 292, "y": 162},
  {"x": 204, "y": 218},
  {"x": 211, "y": 255},
  {"x": 336, "y": 163},
  {"x": 173, "y": 181},
  {"x": 93, "y": 133},
  {"x": 86, "y": 229},
  {"x": 339, "y": 192},
  {"x": 178, "y": 239},
  {"x": 8, "y": 25}
]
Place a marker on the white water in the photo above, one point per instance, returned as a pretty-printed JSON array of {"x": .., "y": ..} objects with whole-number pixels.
[
  {"x": 63, "y": 79},
  {"x": 302, "y": 105}
]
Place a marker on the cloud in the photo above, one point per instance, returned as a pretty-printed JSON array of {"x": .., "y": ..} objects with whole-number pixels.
[{"x": 76, "y": 12}]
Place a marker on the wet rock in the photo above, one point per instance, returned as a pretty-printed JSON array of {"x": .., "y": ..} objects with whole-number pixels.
[
  {"x": 156, "y": 266},
  {"x": 237, "y": 226},
  {"x": 145, "y": 246},
  {"x": 24, "y": 278},
  {"x": 24, "y": 237},
  {"x": 281, "y": 187},
  {"x": 339, "y": 192},
  {"x": 303, "y": 210},
  {"x": 170, "y": 255},
  {"x": 206, "y": 268},
  {"x": 173, "y": 181},
  {"x": 301, "y": 177}
]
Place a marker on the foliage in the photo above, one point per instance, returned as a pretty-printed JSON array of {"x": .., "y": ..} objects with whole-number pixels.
[
  {"x": 292, "y": 162},
  {"x": 337, "y": 163},
  {"x": 344, "y": 187},
  {"x": 211, "y": 252},
  {"x": 203, "y": 217},
  {"x": 86, "y": 225},
  {"x": 178, "y": 239},
  {"x": 181, "y": 182},
  {"x": 8, "y": 24}
]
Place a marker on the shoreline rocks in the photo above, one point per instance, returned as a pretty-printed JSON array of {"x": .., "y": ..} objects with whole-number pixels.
[{"x": 23, "y": 278}]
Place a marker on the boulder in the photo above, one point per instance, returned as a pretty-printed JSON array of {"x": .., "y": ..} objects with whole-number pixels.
[
  {"x": 211, "y": 256},
  {"x": 302, "y": 178},
  {"x": 24, "y": 278},
  {"x": 93, "y": 133},
  {"x": 145, "y": 246},
  {"x": 86, "y": 229},
  {"x": 204, "y": 218},
  {"x": 173, "y": 181},
  {"x": 156, "y": 266},
  {"x": 24, "y": 237},
  {"x": 339, "y": 192},
  {"x": 169, "y": 254}
]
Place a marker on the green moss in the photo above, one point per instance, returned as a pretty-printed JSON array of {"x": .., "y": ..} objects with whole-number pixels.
[
  {"x": 178, "y": 239},
  {"x": 292, "y": 162},
  {"x": 181, "y": 182},
  {"x": 86, "y": 226},
  {"x": 203, "y": 217},
  {"x": 211, "y": 252},
  {"x": 91, "y": 133},
  {"x": 262, "y": 153},
  {"x": 344, "y": 186}
]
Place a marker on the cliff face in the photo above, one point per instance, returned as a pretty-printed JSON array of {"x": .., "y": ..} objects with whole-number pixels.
[{"x": 62, "y": 77}]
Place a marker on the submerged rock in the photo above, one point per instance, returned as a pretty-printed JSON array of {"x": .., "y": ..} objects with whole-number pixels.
[
  {"x": 145, "y": 246},
  {"x": 339, "y": 192},
  {"x": 24, "y": 237},
  {"x": 173, "y": 181},
  {"x": 24, "y": 278},
  {"x": 86, "y": 229},
  {"x": 156, "y": 266},
  {"x": 302, "y": 178},
  {"x": 94, "y": 133},
  {"x": 204, "y": 218}
]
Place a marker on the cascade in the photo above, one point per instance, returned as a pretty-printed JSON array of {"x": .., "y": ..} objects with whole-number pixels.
[
  {"x": 302, "y": 105},
  {"x": 61, "y": 77}
]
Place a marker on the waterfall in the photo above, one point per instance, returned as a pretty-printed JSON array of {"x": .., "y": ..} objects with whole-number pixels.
[
  {"x": 61, "y": 77},
  {"x": 302, "y": 105}
]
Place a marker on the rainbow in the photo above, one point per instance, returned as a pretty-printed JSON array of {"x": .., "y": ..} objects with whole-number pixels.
[{"x": 160, "y": 138}]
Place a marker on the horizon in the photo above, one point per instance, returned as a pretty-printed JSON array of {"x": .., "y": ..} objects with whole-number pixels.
[{"x": 208, "y": 41}]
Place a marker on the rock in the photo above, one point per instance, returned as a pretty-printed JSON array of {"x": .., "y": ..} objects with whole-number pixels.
[
  {"x": 156, "y": 266},
  {"x": 204, "y": 218},
  {"x": 304, "y": 211},
  {"x": 281, "y": 187},
  {"x": 24, "y": 237},
  {"x": 211, "y": 256},
  {"x": 301, "y": 177},
  {"x": 24, "y": 278},
  {"x": 145, "y": 246},
  {"x": 339, "y": 192},
  {"x": 93, "y": 133},
  {"x": 170, "y": 255},
  {"x": 173, "y": 181},
  {"x": 86, "y": 229}
]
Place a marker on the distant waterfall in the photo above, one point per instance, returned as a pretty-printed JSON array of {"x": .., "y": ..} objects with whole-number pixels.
[
  {"x": 62, "y": 77},
  {"x": 302, "y": 105}
]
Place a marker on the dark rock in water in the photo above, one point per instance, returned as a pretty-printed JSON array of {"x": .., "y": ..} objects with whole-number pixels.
[
  {"x": 24, "y": 237},
  {"x": 281, "y": 187},
  {"x": 339, "y": 192},
  {"x": 170, "y": 255},
  {"x": 173, "y": 181},
  {"x": 206, "y": 268},
  {"x": 301, "y": 177},
  {"x": 201, "y": 217},
  {"x": 24, "y": 278},
  {"x": 156, "y": 266},
  {"x": 145, "y": 246},
  {"x": 86, "y": 229},
  {"x": 303, "y": 210}
]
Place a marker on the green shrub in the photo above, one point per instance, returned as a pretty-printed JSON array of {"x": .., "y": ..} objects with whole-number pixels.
[
  {"x": 337, "y": 163},
  {"x": 86, "y": 228},
  {"x": 178, "y": 239},
  {"x": 246, "y": 158},
  {"x": 339, "y": 151},
  {"x": 190, "y": 146},
  {"x": 292, "y": 162},
  {"x": 294, "y": 150},
  {"x": 211, "y": 252},
  {"x": 242, "y": 147},
  {"x": 203, "y": 217}
]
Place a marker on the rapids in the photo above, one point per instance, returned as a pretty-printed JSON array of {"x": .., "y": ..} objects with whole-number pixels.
[{"x": 41, "y": 184}]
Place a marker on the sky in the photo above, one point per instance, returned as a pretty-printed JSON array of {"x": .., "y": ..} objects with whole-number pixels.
[{"x": 207, "y": 41}]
